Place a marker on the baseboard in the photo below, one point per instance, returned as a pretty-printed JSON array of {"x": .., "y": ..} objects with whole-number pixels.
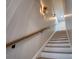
[{"x": 36, "y": 55}]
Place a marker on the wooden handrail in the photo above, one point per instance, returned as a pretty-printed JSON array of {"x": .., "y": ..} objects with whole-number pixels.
[{"x": 25, "y": 37}]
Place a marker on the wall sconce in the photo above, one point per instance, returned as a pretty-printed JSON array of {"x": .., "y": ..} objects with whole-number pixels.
[{"x": 44, "y": 9}]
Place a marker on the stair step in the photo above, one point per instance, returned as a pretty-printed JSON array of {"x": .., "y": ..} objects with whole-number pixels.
[
  {"x": 66, "y": 44},
  {"x": 60, "y": 34},
  {"x": 57, "y": 52},
  {"x": 56, "y": 55},
  {"x": 58, "y": 39},
  {"x": 58, "y": 42},
  {"x": 58, "y": 46},
  {"x": 58, "y": 49},
  {"x": 45, "y": 58},
  {"x": 62, "y": 37}
]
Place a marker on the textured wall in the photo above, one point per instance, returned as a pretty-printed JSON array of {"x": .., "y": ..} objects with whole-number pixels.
[{"x": 23, "y": 18}]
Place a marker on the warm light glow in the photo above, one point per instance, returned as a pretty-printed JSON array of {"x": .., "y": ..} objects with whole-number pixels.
[
  {"x": 54, "y": 18},
  {"x": 41, "y": 8},
  {"x": 68, "y": 15}
]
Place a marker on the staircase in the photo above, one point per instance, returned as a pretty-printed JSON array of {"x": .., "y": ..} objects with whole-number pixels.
[{"x": 57, "y": 48}]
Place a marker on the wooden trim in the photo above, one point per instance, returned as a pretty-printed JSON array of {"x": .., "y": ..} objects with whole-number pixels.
[{"x": 25, "y": 37}]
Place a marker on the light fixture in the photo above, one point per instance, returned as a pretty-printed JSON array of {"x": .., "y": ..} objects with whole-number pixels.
[{"x": 43, "y": 8}]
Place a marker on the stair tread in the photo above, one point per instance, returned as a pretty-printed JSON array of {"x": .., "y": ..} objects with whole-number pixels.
[
  {"x": 59, "y": 46},
  {"x": 58, "y": 39},
  {"x": 45, "y": 58},
  {"x": 57, "y": 42},
  {"x": 57, "y": 52}
]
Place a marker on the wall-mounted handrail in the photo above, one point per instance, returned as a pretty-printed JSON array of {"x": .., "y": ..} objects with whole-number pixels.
[{"x": 25, "y": 37}]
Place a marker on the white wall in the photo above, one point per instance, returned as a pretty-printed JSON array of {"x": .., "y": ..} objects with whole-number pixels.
[
  {"x": 23, "y": 18},
  {"x": 27, "y": 48},
  {"x": 68, "y": 20}
]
